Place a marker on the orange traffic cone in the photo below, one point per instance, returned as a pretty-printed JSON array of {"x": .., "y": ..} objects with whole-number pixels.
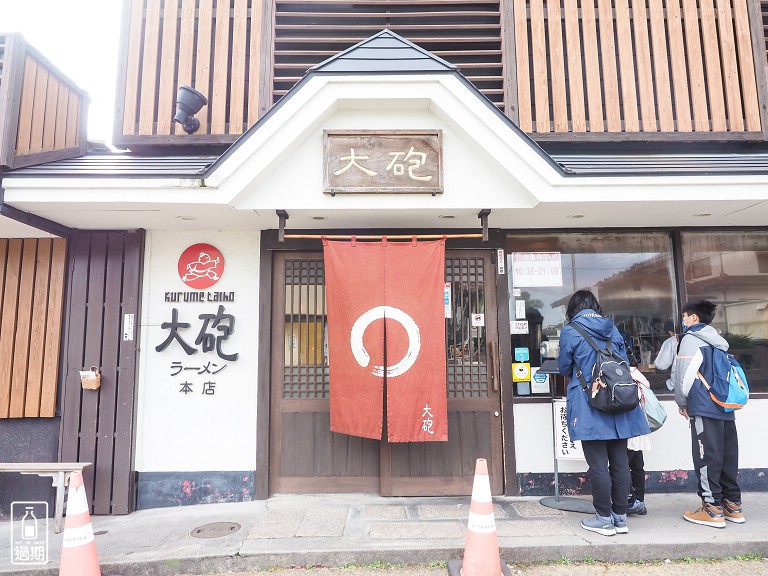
[
  {"x": 78, "y": 552},
  {"x": 481, "y": 551}
]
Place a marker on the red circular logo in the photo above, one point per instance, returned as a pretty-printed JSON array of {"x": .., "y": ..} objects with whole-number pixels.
[{"x": 201, "y": 266}]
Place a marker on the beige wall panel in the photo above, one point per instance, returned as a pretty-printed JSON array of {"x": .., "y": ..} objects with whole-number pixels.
[
  {"x": 51, "y": 111},
  {"x": 149, "y": 66},
  {"x": 203, "y": 59},
  {"x": 218, "y": 99},
  {"x": 661, "y": 66},
  {"x": 575, "y": 73},
  {"x": 53, "y": 329},
  {"x": 592, "y": 67},
  {"x": 23, "y": 327},
  {"x": 712, "y": 66},
  {"x": 237, "y": 82},
  {"x": 166, "y": 95},
  {"x": 8, "y": 322},
  {"x": 523, "y": 69},
  {"x": 38, "y": 330},
  {"x": 23, "y": 137},
  {"x": 627, "y": 67},
  {"x": 132, "y": 68}
]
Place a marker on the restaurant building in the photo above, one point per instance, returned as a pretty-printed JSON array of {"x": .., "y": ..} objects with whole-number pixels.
[{"x": 553, "y": 149}]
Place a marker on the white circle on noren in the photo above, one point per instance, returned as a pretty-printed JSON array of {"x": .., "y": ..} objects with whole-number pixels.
[{"x": 380, "y": 312}]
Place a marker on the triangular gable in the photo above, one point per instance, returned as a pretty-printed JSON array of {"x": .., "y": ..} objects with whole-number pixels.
[
  {"x": 383, "y": 52},
  {"x": 384, "y": 72}
]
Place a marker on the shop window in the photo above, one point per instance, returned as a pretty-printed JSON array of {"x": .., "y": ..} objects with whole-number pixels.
[
  {"x": 630, "y": 274},
  {"x": 739, "y": 286}
]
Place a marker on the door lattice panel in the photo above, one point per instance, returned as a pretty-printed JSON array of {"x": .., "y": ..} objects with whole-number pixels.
[{"x": 466, "y": 339}]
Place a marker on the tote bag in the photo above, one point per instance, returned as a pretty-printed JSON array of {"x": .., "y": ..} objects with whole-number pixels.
[{"x": 652, "y": 408}]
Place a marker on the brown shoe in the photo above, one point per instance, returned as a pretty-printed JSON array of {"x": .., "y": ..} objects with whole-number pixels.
[
  {"x": 732, "y": 511},
  {"x": 707, "y": 515}
]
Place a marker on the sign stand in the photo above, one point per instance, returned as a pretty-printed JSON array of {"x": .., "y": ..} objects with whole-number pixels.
[{"x": 567, "y": 503}]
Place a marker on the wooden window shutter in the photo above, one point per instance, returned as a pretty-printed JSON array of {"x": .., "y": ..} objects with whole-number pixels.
[{"x": 466, "y": 34}]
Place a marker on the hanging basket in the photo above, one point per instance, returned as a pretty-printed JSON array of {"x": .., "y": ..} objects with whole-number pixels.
[{"x": 90, "y": 379}]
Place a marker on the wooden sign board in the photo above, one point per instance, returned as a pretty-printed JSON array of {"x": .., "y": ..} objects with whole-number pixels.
[{"x": 389, "y": 162}]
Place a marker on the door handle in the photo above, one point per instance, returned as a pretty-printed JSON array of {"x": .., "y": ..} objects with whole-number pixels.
[{"x": 495, "y": 365}]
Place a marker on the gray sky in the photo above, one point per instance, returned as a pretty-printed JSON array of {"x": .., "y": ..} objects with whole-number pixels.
[{"x": 81, "y": 39}]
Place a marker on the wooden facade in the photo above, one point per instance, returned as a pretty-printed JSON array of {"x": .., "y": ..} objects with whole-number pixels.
[
  {"x": 43, "y": 114},
  {"x": 655, "y": 67},
  {"x": 571, "y": 69},
  {"x": 31, "y": 297},
  {"x": 102, "y": 330},
  {"x": 244, "y": 55}
]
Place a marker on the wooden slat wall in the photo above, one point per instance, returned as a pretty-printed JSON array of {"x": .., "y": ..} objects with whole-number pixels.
[
  {"x": 31, "y": 297},
  {"x": 649, "y": 67},
  {"x": 97, "y": 425},
  {"x": 44, "y": 114},
  {"x": 211, "y": 45},
  {"x": 244, "y": 58}
]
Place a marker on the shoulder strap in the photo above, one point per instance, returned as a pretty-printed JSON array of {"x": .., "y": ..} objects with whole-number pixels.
[
  {"x": 588, "y": 338},
  {"x": 697, "y": 336}
]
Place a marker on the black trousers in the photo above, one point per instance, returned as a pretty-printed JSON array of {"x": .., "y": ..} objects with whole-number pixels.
[
  {"x": 715, "y": 448},
  {"x": 609, "y": 475},
  {"x": 637, "y": 474}
]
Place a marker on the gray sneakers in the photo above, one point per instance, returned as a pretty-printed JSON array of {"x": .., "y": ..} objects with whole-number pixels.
[
  {"x": 600, "y": 524},
  {"x": 620, "y": 523},
  {"x": 637, "y": 509}
]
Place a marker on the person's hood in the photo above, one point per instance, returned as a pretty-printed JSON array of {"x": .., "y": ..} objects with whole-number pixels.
[
  {"x": 596, "y": 325},
  {"x": 709, "y": 335}
]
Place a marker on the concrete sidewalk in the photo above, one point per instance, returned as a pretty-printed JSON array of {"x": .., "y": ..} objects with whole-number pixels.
[{"x": 291, "y": 530}]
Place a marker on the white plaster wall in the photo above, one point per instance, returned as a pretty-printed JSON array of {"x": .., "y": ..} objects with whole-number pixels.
[
  {"x": 472, "y": 177},
  {"x": 197, "y": 432},
  {"x": 670, "y": 445}
]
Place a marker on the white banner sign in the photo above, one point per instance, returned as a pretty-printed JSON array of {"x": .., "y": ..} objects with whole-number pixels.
[
  {"x": 565, "y": 448},
  {"x": 532, "y": 269}
]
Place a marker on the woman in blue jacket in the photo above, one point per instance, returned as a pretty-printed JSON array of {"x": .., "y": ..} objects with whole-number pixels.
[{"x": 603, "y": 435}]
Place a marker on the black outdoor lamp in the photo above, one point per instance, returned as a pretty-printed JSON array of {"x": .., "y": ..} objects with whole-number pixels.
[{"x": 188, "y": 103}]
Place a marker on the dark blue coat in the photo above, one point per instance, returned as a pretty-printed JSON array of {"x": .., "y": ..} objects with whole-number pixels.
[{"x": 585, "y": 422}]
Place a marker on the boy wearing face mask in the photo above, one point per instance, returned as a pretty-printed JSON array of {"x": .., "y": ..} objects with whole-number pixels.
[{"x": 714, "y": 442}]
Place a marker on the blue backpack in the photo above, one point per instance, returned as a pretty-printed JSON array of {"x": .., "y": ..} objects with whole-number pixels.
[{"x": 723, "y": 377}]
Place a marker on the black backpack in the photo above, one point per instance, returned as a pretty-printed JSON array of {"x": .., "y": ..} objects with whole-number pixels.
[{"x": 615, "y": 390}]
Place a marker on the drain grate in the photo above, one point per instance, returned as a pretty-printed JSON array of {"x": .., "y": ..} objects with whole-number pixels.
[{"x": 215, "y": 530}]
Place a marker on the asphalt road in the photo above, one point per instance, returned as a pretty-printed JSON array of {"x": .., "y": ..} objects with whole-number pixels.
[{"x": 755, "y": 567}]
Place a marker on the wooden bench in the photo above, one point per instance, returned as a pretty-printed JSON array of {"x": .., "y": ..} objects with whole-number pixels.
[{"x": 59, "y": 473}]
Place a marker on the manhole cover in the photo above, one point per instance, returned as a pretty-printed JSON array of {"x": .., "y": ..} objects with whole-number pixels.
[{"x": 215, "y": 530}]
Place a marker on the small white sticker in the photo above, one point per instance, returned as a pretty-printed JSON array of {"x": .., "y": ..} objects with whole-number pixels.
[
  {"x": 478, "y": 320},
  {"x": 127, "y": 327},
  {"x": 539, "y": 382},
  {"x": 516, "y": 292},
  {"x": 518, "y": 327}
]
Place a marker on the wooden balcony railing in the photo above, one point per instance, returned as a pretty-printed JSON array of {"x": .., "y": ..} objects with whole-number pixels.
[
  {"x": 244, "y": 55},
  {"x": 595, "y": 70},
  {"x": 42, "y": 113},
  {"x": 629, "y": 69},
  {"x": 217, "y": 48}
]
